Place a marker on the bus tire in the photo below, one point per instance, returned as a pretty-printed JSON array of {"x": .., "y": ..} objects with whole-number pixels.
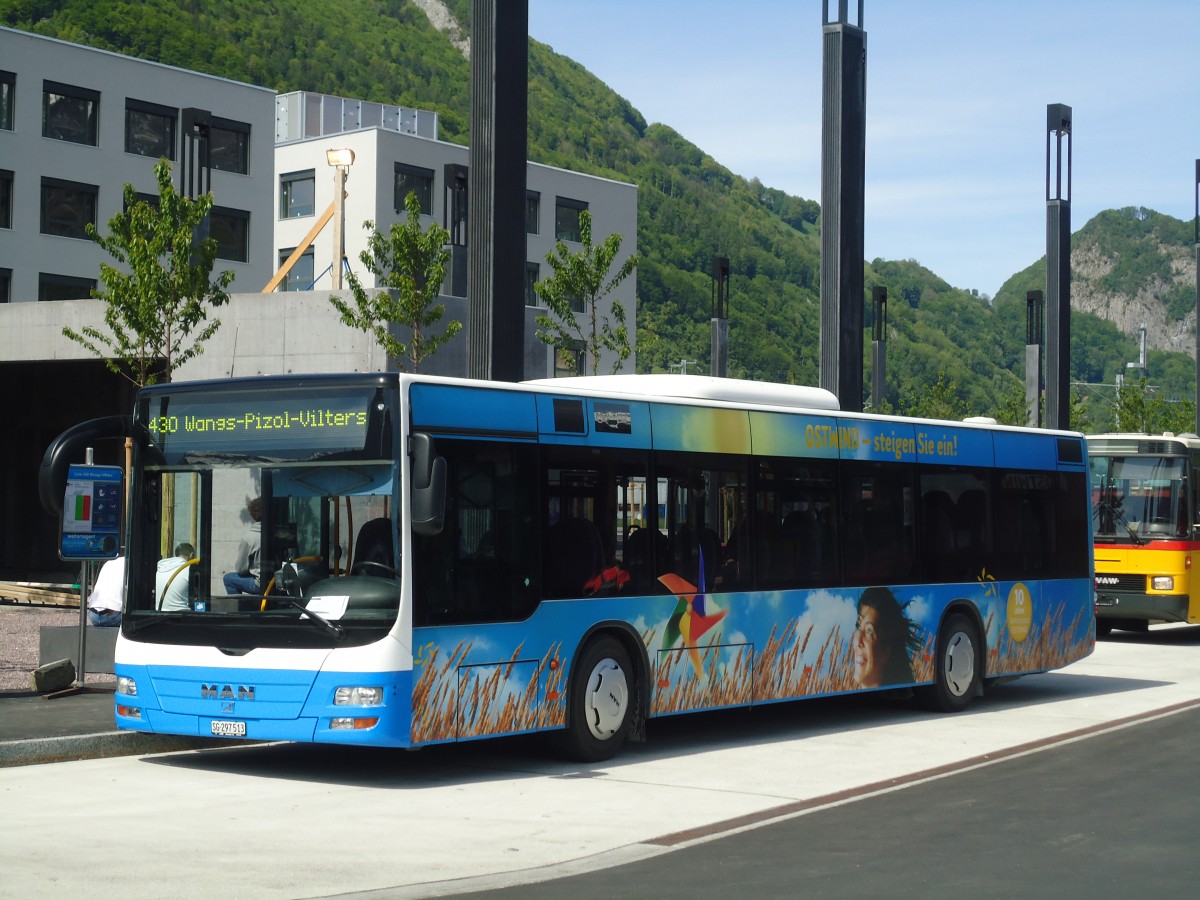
[
  {"x": 957, "y": 671},
  {"x": 601, "y": 701}
]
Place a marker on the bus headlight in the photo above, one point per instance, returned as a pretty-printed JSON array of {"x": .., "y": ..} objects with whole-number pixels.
[
  {"x": 1163, "y": 582},
  {"x": 358, "y": 696},
  {"x": 126, "y": 686}
]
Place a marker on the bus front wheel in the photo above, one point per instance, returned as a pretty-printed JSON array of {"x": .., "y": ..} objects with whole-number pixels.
[
  {"x": 957, "y": 673},
  {"x": 601, "y": 701}
]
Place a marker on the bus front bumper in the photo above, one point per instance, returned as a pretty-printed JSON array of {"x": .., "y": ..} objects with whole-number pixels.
[{"x": 1141, "y": 607}]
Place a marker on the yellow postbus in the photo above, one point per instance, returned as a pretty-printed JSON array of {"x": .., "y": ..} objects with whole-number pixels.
[{"x": 1144, "y": 518}]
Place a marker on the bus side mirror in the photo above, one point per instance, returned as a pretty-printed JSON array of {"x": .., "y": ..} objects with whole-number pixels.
[{"x": 428, "y": 485}]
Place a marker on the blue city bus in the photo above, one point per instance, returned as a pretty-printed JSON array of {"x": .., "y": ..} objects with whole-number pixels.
[{"x": 398, "y": 560}]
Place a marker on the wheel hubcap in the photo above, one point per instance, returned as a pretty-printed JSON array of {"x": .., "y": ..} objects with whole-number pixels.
[
  {"x": 960, "y": 664},
  {"x": 606, "y": 700}
]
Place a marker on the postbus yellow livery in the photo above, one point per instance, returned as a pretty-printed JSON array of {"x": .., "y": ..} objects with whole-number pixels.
[{"x": 1144, "y": 519}]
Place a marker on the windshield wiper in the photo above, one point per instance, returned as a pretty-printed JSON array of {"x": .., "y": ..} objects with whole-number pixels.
[
  {"x": 1131, "y": 527},
  {"x": 338, "y": 631}
]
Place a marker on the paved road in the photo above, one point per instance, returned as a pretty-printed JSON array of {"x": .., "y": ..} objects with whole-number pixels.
[
  {"x": 1113, "y": 815},
  {"x": 289, "y": 821}
]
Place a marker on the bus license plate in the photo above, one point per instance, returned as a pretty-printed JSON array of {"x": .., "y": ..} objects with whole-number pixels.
[{"x": 228, "y": 729}]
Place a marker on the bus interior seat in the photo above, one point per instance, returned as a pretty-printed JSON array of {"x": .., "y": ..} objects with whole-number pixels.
[
  {"x": 970, "y": 521},
  {"x": 574, "y": 554},
  {"x": 374, "y": 543}
]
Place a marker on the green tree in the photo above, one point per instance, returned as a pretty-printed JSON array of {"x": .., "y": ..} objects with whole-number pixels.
[
  {"x": 162, "y": 296},
  {"x": 941, "y": 401},
  {"x": 1142, "y": 409},
  {"x": 1012, "y": 409},
  {"x": 410, "y": 263},
  {"x": 583, "y": 279}
]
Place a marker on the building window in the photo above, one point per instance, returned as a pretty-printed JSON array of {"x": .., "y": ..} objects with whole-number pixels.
[
  {"x": 414, "y": 180},
  {"x": 532, "y": 273},
  {"x": 300, "y": 277},
  {"x": 566, "y": 218},
  {"x": 568, "y": 360},
  {"x": 533, "y": 209},
  {"x": 5, "y": 285},
  {"x": 6, "y": 203},
  {"x": 297, "y": 194},
  {"x": 64, "y": 287},
  {"x": 140, "y": 197},
  {"x": 68, "y": 207},
  {"x": 8, "y": 92},
  {"x": 69, "y": 113},
  {"x": 231, "y": 228},
  {"x": 229, "y": 145},
  {"x": 149, "y": 129}
]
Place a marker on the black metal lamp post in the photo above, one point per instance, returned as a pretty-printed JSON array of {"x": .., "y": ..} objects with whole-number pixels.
[
  {"x": 879, "y": 296},
  {"x": 1058, "y": 269},
  {"x": 720, "y": 316}
]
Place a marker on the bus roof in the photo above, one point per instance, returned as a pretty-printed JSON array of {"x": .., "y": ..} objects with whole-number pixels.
[
  {"x": 1165, "y": 444},
  {"x": 700, "y": 387}
]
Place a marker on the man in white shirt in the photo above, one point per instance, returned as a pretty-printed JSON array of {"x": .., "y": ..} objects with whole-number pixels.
[
  {"x": 171, "y": 580},
  {"x": 105, "y": 600}
]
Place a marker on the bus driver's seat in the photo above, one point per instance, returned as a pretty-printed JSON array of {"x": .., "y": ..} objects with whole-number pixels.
[{"x": 374, "y": 545}]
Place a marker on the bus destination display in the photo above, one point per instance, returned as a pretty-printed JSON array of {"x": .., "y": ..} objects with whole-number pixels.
[{"x": 183, "y": 424}]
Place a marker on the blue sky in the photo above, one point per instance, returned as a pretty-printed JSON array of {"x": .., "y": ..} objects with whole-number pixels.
[{"x": 956, "y": 107}]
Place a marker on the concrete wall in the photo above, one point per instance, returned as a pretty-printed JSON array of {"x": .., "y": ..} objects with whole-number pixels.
[{"x": 260, "y": 334}]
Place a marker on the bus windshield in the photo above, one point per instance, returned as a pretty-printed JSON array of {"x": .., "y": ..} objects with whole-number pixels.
[
  {"x": 264, "y": 519},
  {"x": 1138, "y": 497}
]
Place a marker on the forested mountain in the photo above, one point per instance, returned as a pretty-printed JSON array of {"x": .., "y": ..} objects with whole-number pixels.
[{"x": 690, "y": 206}]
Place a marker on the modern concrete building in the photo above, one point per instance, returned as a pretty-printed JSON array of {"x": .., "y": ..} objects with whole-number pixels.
[
  {"x": 77, "y": 124},
  {"x": 396, "y": 151}
]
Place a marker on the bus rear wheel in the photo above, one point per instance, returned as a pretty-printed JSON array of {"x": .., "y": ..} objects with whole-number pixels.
[
  {"x": 957, "y": 672},
  {"x": 601, "y": 701}
]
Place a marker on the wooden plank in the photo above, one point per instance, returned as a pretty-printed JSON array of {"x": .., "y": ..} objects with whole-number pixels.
[{"x": 35, "y": 592}]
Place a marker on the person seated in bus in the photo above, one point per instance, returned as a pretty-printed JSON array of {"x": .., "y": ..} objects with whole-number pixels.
[
  {"x": 884, "y": 639},
  {"x": 171, "y": 591},
  {"x": 244, "y": 577}
]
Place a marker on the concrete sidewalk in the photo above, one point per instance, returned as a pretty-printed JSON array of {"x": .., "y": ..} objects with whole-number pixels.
[{"x": 43, "y": 729}]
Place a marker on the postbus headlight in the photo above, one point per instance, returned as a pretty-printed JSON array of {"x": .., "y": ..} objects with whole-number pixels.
[
  {"x": 126, "y": 686},
  {"x": 358, "y": 696},
  {"x": 1163, "y": 582}
]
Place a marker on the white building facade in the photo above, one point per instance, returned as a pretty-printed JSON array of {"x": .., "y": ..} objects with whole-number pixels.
[{"x": 395, "y": 151}]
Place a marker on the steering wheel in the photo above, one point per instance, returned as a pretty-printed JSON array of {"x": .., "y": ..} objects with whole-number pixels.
[
  {"x": 359, "y": 566},
  {"x": 163, "y": 595}
]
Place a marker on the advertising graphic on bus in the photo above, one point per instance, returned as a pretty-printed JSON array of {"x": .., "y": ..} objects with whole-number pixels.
[
  {"x": 1144, "y": 516},
  {"x": 401, "y": 560}
]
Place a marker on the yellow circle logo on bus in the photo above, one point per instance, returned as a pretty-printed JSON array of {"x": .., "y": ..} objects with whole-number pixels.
[{"x": 1020, "y": 612}]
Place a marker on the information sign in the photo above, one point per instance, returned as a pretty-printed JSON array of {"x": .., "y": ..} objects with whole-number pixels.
[{"x": 91, "y": 513}]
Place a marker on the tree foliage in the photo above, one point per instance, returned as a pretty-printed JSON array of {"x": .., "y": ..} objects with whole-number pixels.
[
  {"x": 585, "y": 277},
  {"x": 940, "y": 400},
  {"x": 410, "y": 263},
  {"x": 1142, "y": 409},
  {"x": 160, "y": 294}
]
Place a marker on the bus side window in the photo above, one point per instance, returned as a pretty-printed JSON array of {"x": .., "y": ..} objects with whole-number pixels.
[
  {"x": 878, "y": 543},
  {"x": 483, "y": 565}
]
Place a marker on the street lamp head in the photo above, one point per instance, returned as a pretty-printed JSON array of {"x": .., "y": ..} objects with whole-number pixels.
[{"x": 342, "y": 157}]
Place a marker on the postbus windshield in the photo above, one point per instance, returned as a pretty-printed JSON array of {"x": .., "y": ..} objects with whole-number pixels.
[
  {"x": 1139, "y": 497},
  {"x": 264, "y": 518}
]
